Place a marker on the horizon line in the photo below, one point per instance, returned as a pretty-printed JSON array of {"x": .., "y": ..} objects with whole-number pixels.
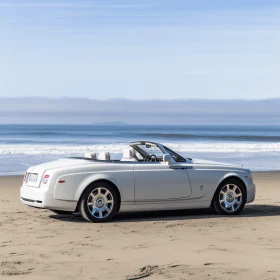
[{"x": 147, "y": 99}]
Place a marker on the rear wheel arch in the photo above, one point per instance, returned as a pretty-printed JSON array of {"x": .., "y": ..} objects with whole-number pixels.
[{"x": 101, "y": 180}]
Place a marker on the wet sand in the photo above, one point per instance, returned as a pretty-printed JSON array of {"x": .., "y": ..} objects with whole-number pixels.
[{"x": 190, "y": 244}]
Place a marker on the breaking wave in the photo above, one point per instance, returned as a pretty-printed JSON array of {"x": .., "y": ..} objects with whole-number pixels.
[{"x": 208, "y": 147}]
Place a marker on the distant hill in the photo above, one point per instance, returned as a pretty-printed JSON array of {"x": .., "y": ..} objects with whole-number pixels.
[
  {"x": 110, "y": 123},
  {"x": 125, "y": 111}
]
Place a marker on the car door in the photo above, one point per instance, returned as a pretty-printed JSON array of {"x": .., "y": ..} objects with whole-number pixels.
[{"x": 155, "y": 181}]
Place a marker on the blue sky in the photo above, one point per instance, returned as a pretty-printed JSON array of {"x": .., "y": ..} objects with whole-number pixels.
[{"x": 146, "y": 49}]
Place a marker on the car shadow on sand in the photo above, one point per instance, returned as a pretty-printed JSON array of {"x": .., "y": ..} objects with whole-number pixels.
[{"x": 256, "y": 210}]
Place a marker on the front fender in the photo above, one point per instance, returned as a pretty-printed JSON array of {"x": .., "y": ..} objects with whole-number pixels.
[
  {"x": 234, "y": 174},
  {"x": 248, "y": 183}
]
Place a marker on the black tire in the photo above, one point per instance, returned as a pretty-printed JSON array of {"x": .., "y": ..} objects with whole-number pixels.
[
  {"x": 85, "y": 207},
  {"x": 61, "y": 212},
  {"x": 225, "y": 208}
]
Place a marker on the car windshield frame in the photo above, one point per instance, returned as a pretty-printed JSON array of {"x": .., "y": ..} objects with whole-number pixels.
[
  {"x": 175, "y": 156},
  {"x": 143, "y": 153}
]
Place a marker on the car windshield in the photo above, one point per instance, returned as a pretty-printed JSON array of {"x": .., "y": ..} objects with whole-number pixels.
[{"x": 148, "y": 149}]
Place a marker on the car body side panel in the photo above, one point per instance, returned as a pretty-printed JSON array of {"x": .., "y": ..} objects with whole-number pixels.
[
  {"x": 76, "y": 182},
  {"x": 203, "y": 180},
  {"x": 157, "y": 181}
]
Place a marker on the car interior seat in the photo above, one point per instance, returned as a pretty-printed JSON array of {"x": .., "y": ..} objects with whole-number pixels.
[
  {"x": 104, "y": 156},
  {"x": 129, "y": 155},
  {"x": 90, "y": 155}
]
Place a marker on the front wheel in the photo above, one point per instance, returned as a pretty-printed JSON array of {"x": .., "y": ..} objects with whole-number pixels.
[
  {"x": 99, "y": 202},
  {"x": 230, "y": 197}
]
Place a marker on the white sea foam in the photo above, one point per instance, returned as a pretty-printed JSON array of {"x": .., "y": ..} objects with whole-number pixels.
[
  {"x": 57, "y": 150},
  {"x": 216, "y": 147},
  {"x": 244, "y": 147},
  {"x": 15, "y": 159}
]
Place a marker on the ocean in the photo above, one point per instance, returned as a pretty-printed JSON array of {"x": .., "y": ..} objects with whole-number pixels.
[{"x": 253, "y": 146}]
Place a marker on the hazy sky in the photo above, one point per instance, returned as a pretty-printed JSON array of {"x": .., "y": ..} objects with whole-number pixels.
[{"x": 140, "y": 49}]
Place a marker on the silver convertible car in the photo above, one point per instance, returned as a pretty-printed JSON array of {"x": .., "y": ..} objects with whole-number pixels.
[{"x": 150, "y": 176}]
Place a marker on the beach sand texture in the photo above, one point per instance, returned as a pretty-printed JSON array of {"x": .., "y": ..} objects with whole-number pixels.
[{"x": 190, "y": 244}]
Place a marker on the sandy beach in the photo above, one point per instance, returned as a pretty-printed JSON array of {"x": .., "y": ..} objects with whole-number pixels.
[{"x": 37, "y": 244}]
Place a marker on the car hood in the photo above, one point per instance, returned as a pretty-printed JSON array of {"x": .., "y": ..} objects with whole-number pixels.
[{"x": 210, "y": 162}]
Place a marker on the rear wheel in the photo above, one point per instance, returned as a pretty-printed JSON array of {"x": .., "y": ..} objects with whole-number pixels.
[
  {"x": 99, "y": 202},
  {"x": 230, "y": 197}
]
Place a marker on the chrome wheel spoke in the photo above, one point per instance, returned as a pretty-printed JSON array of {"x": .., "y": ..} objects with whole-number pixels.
[
  {"x": 100, "y": 213},
  {"x": 237, "y": 202},
  {"x": 100, "y": 203},
  {"x": 230, "y": 197},
  {"x": 93, "y": 210}
]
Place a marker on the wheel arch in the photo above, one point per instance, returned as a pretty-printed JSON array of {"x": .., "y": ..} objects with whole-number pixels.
[
  {"x": 227, "y": 177},
  {"x": 113, "y": 184}
]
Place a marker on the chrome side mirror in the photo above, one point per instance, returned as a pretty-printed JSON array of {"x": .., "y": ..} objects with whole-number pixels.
[{"x": 167, "y": 158}]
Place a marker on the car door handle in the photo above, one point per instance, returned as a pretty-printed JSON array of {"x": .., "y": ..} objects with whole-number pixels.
[
  {"x": 180, "y": 167},
  {"x": 175, "y": 167}
]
